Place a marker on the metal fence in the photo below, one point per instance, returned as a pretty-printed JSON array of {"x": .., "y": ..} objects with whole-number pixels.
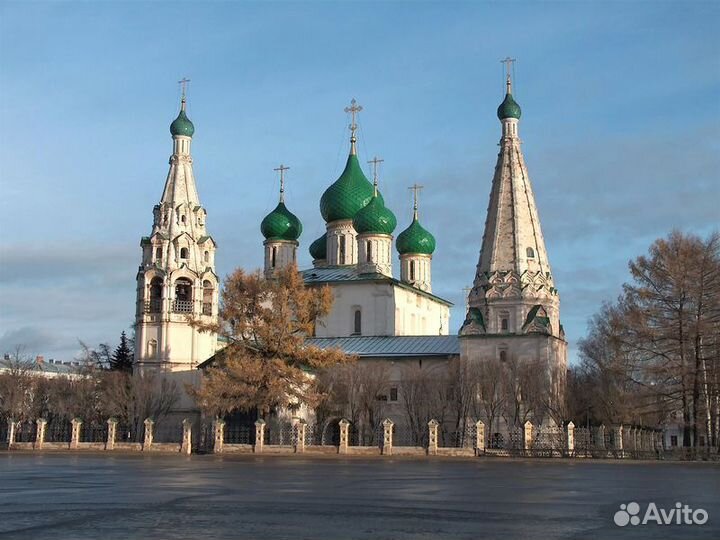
[
  {"x": 58, "y": 430},
  {"x": 25, "y": 432},
  {"x": 280, "y": 433},
  {"x": 326, "y": 434},
  {"x": 129, "y": 433},
  {"x": 239, "y": 433},
  {"x": 365, "y": 435},
  {"x": 465, "y": 437},
  {"x": 168, "y": 431},
  {"x": 94, "y": 432}
]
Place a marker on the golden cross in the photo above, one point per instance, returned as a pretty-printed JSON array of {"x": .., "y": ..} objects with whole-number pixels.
[
  {"x": 508, "y": 64},
  {"x": 353, "y": 109},
  {"x": 282, "y": 168},
  {"x": 375, "y": 162},
  {"x": 416, "y": 189},
  {"x": 183, "y": 85}
]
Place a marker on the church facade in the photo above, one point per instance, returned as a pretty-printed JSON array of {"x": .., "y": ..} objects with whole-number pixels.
[{"x": 513, "y": 308}]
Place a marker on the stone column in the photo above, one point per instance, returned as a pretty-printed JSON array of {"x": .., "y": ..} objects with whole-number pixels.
[
  {"x": 300, "y": 436},
  {"x": 571, "y": 438},
  {"x": 619, "y": 440},
  {"x": 432, "y": 448},
  {"x": 219, "y": 434},
  {"x": 186, "y": 447},
  {"x": 75, "y": 434},
  {"x": 40, "y": 433},
  {"x": 259, "y": 436},
  {"x": 387, "y": 437},
  {"x": 147, "y": 444},
  {"x": 527, "y": 436},
  {"x": 11, "y": 432},
  {"x": 479, "y": 437},
  {"x": 111, "y": 433},
  {"x": 344, "y": 429}
]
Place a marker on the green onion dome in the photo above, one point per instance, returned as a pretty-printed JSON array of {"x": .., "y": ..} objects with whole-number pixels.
[
  {"x": 509, "y": 108},
  {"x": 281, "y": 224},
  {"x": 182, "y": 124},
  {"x": 375, "y": 218},
  {"x": 351, "y": 192},
  {"x": 415, "y": 239},
  {"x": 318, "y": 249}
]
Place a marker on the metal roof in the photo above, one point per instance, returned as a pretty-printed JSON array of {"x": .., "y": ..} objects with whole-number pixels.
[
  {"x": 335, "y": 274},
  {"x": 391, "y": 345}
]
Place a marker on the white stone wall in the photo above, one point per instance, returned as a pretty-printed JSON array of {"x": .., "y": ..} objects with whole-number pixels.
[
  {"x": 380, "y": 256},
  {"x": 415, "y": 270},
  {"x": 337, "y": 230},
  {"x": 285, "y": 254}
]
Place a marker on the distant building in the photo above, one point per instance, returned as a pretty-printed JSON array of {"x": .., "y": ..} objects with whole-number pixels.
[{"x": 50, "y": 368}]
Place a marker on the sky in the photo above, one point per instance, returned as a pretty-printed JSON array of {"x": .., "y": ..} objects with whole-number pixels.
[{"x": 620, "y": 131}]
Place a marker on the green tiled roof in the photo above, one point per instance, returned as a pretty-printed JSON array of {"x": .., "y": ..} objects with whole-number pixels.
[
  {"x": 415, "y": 239},
  {"x": 182, "y": 125},
  {"x": 348, "y": 194},
  {"x": 375, "y": 218},
  {"x": 509, "y": 108},
  {"x": 281, "y": 224},
  {"x": 318, "y": 249}
]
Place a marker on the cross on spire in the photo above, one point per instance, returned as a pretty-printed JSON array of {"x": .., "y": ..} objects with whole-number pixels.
[
  {"x": 183, "y": 88},
  {"x": 353, "y": 109},
  {"x": 282, "y": 168},
  {"x": 416, "y": 190},
  {"x": 509, "y": 66},
  {"x": 375, "y": 162}
]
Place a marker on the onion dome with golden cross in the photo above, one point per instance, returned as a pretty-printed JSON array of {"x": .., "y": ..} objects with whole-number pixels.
[
  {"x": 509, "y": 108},
  {"x": 318, "y": 249},
  {"x": 375, "y": 218},
  {"x": 182, "y": 126},
  {"x": 415, "y": 239},
  {"x": 281, "y": 223},
  {"x": 352, "y": 191}
]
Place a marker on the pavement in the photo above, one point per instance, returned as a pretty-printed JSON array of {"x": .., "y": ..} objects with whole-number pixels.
[{"x": 125, "y": 496}]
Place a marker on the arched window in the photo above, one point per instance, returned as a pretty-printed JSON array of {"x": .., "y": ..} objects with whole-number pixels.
[
  {"x": 357, "y": 322},
  {"x": 152, "y": 348},
  {"x": 158, "y": 253},
  {"x": 503, "y": 355},
  {"x": 183, "y": 219},
  {"x": 504, "y": 323},
  {"x": 412, "y": 270},
  {"x": 273, "y": 257},
  {"x": 206, "y": 256},
  {"x": 207, "y": 297},
  {"x": 155, "y": 302},
  {"x": 183, "y": 295},
  {"x": 369, "y": 251},
  {"x": 341, "y": 249},
  {"x": 530, "y": 253},
  {"x": 183, "y": 253}
]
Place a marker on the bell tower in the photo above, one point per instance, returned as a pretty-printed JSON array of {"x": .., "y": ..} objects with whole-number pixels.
[{"x": 176, "y": 280}]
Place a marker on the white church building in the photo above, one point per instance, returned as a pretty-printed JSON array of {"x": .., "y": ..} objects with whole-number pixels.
[{"x": 514, "y": 308}]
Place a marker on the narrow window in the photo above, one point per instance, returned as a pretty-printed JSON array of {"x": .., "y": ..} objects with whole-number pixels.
[
  {"x": 342, "y": 250},
  {"x": 503, "y": 356},
  {"x": 152, "y": 348},
  {"x": 369, "y": 251},
  {"x": 412, "y": 270},
  {"x": 357, "y": 322},
  {"x": 530, "y": 253},
  {"x": 207, "y": 256},
  {"x": 504, "y": 324},
  {"x": 158, "y": 253},
  {"x": 273, "y": 257},
  {"x": 183, "y": 219},
  {"x": 207, "y": 297},
  {"x": 183, "y": 253},
  {"x": 673, "y": 440},
  {"x": 393, "y": 393}
]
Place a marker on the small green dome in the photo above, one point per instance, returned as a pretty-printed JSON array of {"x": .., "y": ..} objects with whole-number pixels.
[
  {"x": 348, "y": 194},
  {"x": 375, "y": 218},
  {"x": 182, "y": 124},
  {"x": 318, "y": 249},
  {"x": 509, "y": 108},
  {"x": 281, "y": 224},
  {"x": 415, "y": 239}
]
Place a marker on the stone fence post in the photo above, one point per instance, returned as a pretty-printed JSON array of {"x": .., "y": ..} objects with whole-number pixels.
[
  {"x": 111, "y": 433},
  {"x": 571, "y": 438},
  {"x": 479, "y": 437},
  {"x": 344, "y": 430},
  {"x": 186, "y": 447},
  {"x": 619, "y": 440},
  {"x": 600, "y": 441},
  {"x": 432, "y": 448},
  {"x": 259, "y": 436},
  {"x": 40, "y": 433},
  {"x": 75, "y": 433},
  {"x": 11, "y": 432},
  {"x": 148, "y": 440},
  {"x": 219, "y": 435},
  {"x": 527, "y": 436},
  {"x": 387, "y": 437},
  {"x": 300, "y": 429}
]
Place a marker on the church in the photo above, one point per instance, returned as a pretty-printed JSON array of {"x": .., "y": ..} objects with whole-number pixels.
[{"x": 379, "y": 314}]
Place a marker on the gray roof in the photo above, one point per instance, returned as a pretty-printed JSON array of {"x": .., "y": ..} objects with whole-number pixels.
[
  {"x": 340, "y": 274},
  {"x": 51, "y": 367},
  {"x": 391, "y": 345}
]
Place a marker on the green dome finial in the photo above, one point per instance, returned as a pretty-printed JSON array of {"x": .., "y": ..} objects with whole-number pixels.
[
  {"x": 375, "y": 218},
  {"x": 348, "y": 194},
  {"x": 318, "y": 249},
  {"x": 281, "y": 224},
  {"x": 182, "y": 126},
  {"x": 415, "y": 239},
  {"x": 509, "y": 107}
]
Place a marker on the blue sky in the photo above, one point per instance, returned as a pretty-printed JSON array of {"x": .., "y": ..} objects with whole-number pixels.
[{"x": 621, "y": 132}]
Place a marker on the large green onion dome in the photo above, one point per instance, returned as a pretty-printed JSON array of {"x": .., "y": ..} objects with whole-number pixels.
[
  {"x": 318, "y": 249},
  {"x": 415, "y": 239},
  {"x": 182, "y": 124},
  {"x": 351, "y": 192},
  {"x": 509, "y": 107},
  {"x": 375, "y": 218},
  {"x": 281, "y": 224}
]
